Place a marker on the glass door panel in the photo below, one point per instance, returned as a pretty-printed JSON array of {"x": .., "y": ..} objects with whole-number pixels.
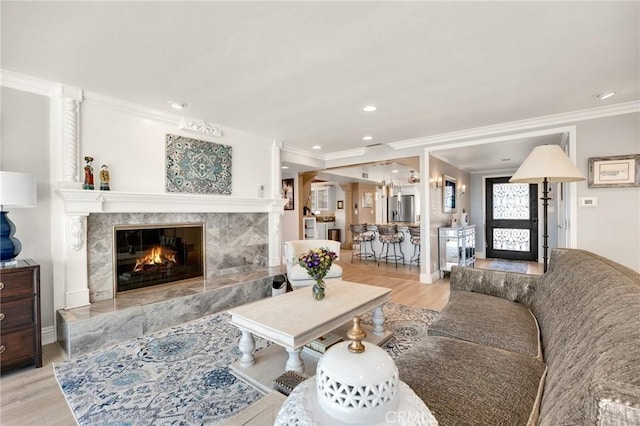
[{"x": 511, "y": 218}]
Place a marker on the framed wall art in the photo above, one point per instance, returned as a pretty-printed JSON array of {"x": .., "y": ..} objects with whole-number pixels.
[
  {"x": 614, "y": 171},
  {"x": 287, "y": 192},
  {"x": 367, "y": 199},
  {"x": 196, "y": 166},
  {"x": 449, "y": 192}
]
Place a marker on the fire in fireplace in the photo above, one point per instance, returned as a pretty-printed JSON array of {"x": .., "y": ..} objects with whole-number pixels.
[{"x": 147, "y": 255}]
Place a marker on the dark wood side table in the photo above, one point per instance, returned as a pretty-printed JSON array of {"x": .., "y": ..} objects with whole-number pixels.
[{"x": 20, "y": 334}]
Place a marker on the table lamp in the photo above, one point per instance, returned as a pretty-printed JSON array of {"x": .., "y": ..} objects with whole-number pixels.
[
  {"x": 16, "y": 190},
  {"x": 546, "y": 163}
]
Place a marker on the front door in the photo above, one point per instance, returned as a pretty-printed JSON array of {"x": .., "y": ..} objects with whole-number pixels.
[{"x": 512, "y": 219}]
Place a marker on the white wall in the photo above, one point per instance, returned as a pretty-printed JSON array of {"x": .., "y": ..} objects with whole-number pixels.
[
  {"x": 612, "y": 229},
  {"x": 133, "y": 146},
  {"x": 24, "y": 147}
]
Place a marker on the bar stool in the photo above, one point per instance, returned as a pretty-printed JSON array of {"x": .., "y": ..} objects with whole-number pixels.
[
  {"x": 414, "y": 237},
  {"x": 388, "y": 234},
  {"x": 361, "y": 236}
]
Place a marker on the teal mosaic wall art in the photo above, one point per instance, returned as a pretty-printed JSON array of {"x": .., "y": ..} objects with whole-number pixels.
[{"x": 196, "y": 166}]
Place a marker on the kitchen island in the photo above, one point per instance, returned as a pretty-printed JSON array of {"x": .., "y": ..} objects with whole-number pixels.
[{"x": 406, "y": 246}]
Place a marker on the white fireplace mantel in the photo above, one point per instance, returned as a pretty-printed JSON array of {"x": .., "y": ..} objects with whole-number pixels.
[
  {"x": 79, "y": 203},
  {"x": 84, "y": 202}
]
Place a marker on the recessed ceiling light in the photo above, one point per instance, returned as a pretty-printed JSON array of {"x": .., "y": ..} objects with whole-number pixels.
[
  {"x": 284, "y": 167},
  {"x": 177, "y": 104},
  {"x": 369, "y": 108},
  {"x": 367, "y": 138},
  {"x": 394, "y": 171},
  {"x": 605, "y": 95},
  {"x": 316, "y": 147}
]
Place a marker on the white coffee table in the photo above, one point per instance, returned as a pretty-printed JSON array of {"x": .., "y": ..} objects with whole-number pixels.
[{"x": 295, "y": 319}]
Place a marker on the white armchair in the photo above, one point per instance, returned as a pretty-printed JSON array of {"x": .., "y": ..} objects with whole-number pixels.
[{"x": 297, "y": 275}]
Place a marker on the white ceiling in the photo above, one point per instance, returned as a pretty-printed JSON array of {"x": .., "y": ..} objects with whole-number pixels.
[{"x": 300, "y": 72}]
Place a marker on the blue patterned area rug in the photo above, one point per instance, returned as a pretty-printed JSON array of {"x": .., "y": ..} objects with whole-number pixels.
[{"x": 180, "y": 376}]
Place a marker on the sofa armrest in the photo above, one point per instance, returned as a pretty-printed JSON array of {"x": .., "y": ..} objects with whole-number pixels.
[{"x": 508, "y": 285}]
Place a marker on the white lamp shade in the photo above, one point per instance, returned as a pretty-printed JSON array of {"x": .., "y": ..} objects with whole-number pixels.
[
  {"x": 550, "y": 162},
  {"x": 17, "y": 189}
]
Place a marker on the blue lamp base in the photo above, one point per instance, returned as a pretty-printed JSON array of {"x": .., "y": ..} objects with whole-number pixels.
[{"x": 10, "y": 247}]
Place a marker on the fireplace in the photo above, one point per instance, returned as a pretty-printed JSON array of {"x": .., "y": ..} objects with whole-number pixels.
[{"x": 148, "y": 255}]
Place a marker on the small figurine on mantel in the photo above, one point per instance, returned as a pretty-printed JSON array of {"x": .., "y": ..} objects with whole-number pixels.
[
  {"x": 104, "y": 178},
  {"x": 88, "y": 173}
]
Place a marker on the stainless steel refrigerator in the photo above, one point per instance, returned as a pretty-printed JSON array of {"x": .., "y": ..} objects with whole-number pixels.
[{"x": 401, "y": 209}]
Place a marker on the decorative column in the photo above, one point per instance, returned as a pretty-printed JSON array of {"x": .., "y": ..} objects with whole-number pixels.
[
  {"x": 69, "y": 235},
  {"x": 70, "y": 127},
  {"x": 276, "y": 168},
  {"x": 275, "y": 218}
]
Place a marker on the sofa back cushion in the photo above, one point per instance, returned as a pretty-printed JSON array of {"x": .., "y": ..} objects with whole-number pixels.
[{"x": 588, "y": 310}]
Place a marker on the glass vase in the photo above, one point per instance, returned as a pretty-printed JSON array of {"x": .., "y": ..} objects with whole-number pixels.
[{"x": 318, "y": 289}]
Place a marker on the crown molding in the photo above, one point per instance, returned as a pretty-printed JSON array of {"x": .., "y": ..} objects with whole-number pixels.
[
  {"x": 495, "y": 172},
  {"x": 29, "y": 84},
  {"x": 128, "y": 107},
  {"x": 357, "y": 152},
  {"x": 516, "y": 126},
  {"x": 303, "y": 153}
]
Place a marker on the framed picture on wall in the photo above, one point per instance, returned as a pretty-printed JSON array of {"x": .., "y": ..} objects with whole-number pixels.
[
  {"x": 287, "y": 192},
  {"x": 367, "y": 199},
  {"x": 449, "y": 194},
  {"x": 614, "y": 172}
]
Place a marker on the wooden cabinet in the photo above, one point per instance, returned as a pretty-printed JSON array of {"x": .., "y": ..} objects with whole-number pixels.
[
  {"x": 457, "y": 246},
  {"x": 20, "y": 338}
]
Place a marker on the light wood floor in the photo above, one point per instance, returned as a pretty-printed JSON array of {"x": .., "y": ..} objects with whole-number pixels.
[{"x": 31, "y": 396}]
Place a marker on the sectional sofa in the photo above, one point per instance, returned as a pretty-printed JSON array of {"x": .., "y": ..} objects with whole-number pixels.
[{"x": 514, "y": 349}]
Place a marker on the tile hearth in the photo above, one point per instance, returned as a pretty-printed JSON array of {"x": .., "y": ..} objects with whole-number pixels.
[{"x": 139, "y": 312}]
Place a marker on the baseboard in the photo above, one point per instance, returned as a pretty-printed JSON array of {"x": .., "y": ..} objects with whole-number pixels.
[
  {"x": 48, "y": 335},
  {"x": 430, "y": 278}
]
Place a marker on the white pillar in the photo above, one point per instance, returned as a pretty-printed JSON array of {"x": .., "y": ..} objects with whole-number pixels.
[
  {"x": 68, "y": 229},
  {"x": 75, "y": 251},
  {"x": 275, "y": 218},
  {"x": 276, "y": 169}
]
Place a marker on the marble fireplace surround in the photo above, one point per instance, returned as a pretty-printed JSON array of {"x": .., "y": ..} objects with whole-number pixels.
[
  {"x": 242, "y": 249},
  {"x": 234, "y": 242},
  {"x": 241, "y": 233}
]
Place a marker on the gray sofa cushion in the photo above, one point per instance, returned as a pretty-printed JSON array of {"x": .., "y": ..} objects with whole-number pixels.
[
  {"x": 507, "y": 285},
  {"x": 488, "y": 320},
  {"x": 464, "y": 383},
  {"x": 588, "y": 309}
]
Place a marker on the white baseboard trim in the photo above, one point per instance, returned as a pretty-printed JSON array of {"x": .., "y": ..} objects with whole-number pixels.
[
  {"x": 430, "y": 278},
  {"x": 48, "y": 335}
]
